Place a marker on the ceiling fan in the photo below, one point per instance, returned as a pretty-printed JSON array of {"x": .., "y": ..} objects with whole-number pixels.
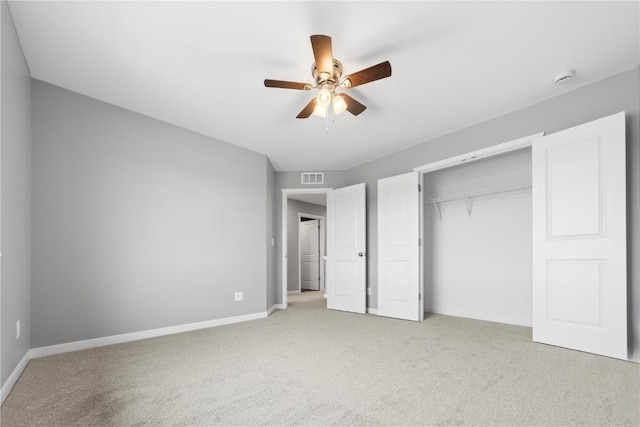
[{"x": 327, "y": 73}]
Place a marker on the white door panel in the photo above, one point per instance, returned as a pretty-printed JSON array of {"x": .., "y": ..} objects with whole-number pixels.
[
  {"x": 308, "y": 235},
  {"x": 399, "y": 284},
  {"x": 579, "y": 238},
  {"x": 346, "y": 246}
]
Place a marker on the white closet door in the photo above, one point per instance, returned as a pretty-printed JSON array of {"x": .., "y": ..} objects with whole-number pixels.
[
  {"x": 399, "y": 285},
  {"x": 579, "y": 238},
  {"x": 308, "y": 242},
  {"x": 346, "y": 245}
]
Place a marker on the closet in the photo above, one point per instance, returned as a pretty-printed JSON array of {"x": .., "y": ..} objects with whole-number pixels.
[
  {"x": 477, "y": 239},
  {"x": 528, "y": 232}
]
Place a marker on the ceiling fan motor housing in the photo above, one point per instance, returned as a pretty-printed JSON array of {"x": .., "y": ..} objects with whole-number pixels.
[{"x": 334, "y": 78}]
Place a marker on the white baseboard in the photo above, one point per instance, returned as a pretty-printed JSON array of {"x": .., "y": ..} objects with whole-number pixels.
[
  {"x": 480, "y": 316},
  {"x": 134, "y": 336},
  {"x": 373, "y": 311},
  {"x": 13, "y": 378},
  {"x": 274, "y": 308},
  {"x": 293, "y": 292}
]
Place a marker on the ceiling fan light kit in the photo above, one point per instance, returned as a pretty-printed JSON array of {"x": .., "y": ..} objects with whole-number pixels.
[{"x": 327, "y": 73}]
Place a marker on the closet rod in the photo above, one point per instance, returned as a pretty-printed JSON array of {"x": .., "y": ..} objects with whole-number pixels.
[{"x": 487, "y": 192}]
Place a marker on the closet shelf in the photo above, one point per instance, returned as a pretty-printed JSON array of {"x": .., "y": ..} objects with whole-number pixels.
[
  {"x": 487, "y": 192},
  {"x": 469, "y": 197}
]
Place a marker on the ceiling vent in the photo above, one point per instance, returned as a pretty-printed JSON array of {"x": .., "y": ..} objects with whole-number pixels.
[{"x": 312, "y": 177}]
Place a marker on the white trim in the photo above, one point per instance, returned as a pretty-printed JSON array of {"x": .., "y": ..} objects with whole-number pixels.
[
  {"x": 135, "y": 336},
  {"x": 273, "y": 308},
  {"x": 488, "y": 317},
  {"x": 276, "y": 307},
  {"x": 493, "y": 150},
  {"x": 283, "y": 213},
  {"x": 373, "y": 311},
  {"x": 13, "y": 378},
  {"x": 294, "y": 292}
]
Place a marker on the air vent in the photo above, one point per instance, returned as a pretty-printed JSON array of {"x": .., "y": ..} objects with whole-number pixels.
[{"x": 312, "y": 177}]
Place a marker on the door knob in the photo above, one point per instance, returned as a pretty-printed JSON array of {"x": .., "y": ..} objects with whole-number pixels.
[{"x": 360, "y": 254}]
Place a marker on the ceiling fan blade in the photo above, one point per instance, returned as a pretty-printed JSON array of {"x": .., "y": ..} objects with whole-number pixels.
[
  {"x": 353, "y": 106},
  {"x": 307, "y": 110},
  {"x": 323, "y": 54},
  {"x": 370, "y": 74},
  {"x": 286, "y": 85}
]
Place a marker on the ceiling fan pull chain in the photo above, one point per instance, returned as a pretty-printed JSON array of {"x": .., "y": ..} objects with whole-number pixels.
[{"x": 328, "y": 114}]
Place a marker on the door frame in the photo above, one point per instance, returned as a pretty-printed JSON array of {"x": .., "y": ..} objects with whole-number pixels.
[
  {"x": 493, "y": 150},
  {"x": 321, "y": 247},
  {"x": 283, "y": 243}
]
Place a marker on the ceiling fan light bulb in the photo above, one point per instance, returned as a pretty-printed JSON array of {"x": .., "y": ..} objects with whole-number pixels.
[
  {"x": 339, "y": 105},
  {"x": 320, "y": 111},
  {"x": 324, "y": 97}
]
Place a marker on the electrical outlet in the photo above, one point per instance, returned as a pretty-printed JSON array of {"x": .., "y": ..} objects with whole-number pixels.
[
  {"x": 239, "y": 296},
  {"x": 369, "y": 291},
  {"x": 17, "y": 329}
]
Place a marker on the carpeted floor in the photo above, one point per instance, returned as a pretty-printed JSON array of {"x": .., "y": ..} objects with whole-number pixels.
[{"x": 310, "y": 366}]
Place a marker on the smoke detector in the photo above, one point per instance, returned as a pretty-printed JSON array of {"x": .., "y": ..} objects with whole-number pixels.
[{"x": 564, "y": 76}]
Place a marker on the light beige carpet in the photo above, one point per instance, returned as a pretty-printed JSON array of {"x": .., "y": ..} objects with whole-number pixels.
[{"x": 312, "y": 366}]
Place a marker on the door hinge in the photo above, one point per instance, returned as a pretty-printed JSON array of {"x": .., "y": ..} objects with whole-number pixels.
[
  {"x": 419, "y": 241},
  {"x": 419, "y": 297},
  {"x": 419, "y": 188}
]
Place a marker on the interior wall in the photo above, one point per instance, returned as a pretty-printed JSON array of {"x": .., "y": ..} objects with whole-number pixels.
[
  {"x": 15, "y": 199},
  {"x": 332, "y": 179},
  {"x": 138, "y": 224},
  {"x": 479, "y": 264},
  {"x": 609, "y": 96},
  {"x": 293, "y": 208}
]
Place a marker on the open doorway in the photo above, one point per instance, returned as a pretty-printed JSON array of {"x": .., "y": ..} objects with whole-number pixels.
[
  {"x": 346, "y": 278},
  {"x": 296, "y": 205}
]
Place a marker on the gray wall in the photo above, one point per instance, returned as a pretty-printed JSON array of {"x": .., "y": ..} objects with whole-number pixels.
[
  {"x": 271, "y": 235},
  {"x": 293, "y": 208},
  {"x": 332, "y": 179},
  {"x": 138, "y": 224},
  {"x": 618, "y": 93},
  {"x": 15, "y": 225}
]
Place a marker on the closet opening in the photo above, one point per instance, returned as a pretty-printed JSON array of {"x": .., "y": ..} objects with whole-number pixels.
[{"x": 477, "y": 234}]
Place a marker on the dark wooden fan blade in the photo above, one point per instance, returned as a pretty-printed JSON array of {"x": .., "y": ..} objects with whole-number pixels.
[
  {"x": 307, "y": 110},
  {"x": 322, "y": 53},
  {"x": 353, "y": 106},
  {"x": 286, "y": 85},
  {"x": 370, "y": 74}
]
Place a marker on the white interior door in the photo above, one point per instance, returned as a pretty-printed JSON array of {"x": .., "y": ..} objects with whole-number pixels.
[
  {"x": 579, "y": 238},
  {"x": 346, "y": 246},
  {"x": 309, "y": 249},
  {"x": 399, "y": 287}
]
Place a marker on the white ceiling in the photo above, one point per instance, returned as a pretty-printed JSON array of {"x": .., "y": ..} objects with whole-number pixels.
[{"x": 201, "y": 65}]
